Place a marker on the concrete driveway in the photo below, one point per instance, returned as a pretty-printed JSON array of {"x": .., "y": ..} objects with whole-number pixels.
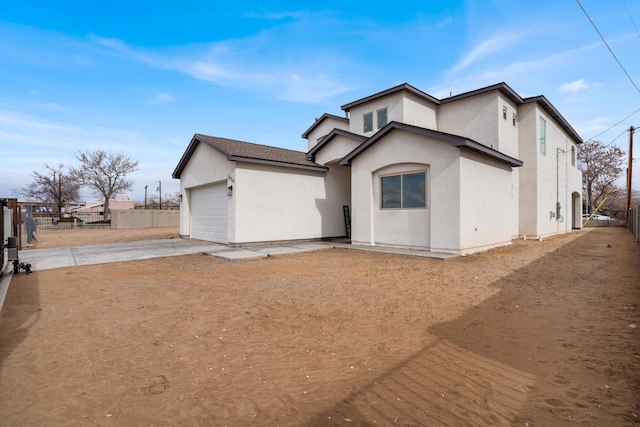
[{"x": 45, "y": 259}]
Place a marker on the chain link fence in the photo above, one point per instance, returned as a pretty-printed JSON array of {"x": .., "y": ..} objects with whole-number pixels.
[{"x": 48, "y": 221}]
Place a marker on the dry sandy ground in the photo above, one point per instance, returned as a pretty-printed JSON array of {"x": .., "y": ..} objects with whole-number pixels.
[
  {"x": 80, "y": 237},
  {"x": 536, "y": 334}
]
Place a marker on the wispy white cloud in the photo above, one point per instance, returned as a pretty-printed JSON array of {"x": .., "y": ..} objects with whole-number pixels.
[
  {"x": 17, "y": 120},
  {"x": 486, "y": 48},
  {"x": 52, "y": 106},
  {"x": 30, "y": 141},
  {"x": 203, "y": 70},
  {"x": 448, "y": 20},
  {"x": 294, "y": 14},
  {"x": 113, "y": 44},
  {"x": 311, "y": 87},
  {"x": 161, "y": 98},
  {"x": 578, "y": 85},
  {"x": 292, "y": 72},
  {"x": 517, "y": 71},
  {"x": 592, "y": 126}
]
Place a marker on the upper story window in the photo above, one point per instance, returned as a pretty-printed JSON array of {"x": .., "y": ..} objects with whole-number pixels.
[
  {"x": 504, "y": 113},
  {"x": 404, "y": 191},
  {"x": 514, "y": 119},
  {"x": 573, "y": 155},
  {"x": 543, "y": 136},
  {"x": 382, "y": 118},
  {"x": 368, "y": 122}
]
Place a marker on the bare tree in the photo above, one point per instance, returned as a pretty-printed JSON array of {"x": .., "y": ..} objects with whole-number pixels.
[
  {"x": 171, "y": 199},
  {"x": 105, "y": 173},
  {"x": 601, "y": 167},
  {"x": 53, "y": 187}
]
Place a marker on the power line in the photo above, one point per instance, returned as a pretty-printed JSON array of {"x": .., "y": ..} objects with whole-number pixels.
[
  {"x": 617, "y": 137},
  {"x": 631, "y": 17},
  {"x": 607, "y": 44},
  {"x": 612, "y": 126}
]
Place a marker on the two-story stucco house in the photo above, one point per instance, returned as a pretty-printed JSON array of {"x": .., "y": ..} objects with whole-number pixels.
[{"x": 456, "y": 175}]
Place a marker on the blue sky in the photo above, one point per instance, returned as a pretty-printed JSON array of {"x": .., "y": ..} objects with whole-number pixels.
[{"x": 142, "y": 77}]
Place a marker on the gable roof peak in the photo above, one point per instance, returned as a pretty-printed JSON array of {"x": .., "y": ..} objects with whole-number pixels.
[
  {"x": 399, "y": 88},
  {"x": 249, "y": 152},
  {"x": 502, "y": 87},
  {"x": 320, "y": 119}
]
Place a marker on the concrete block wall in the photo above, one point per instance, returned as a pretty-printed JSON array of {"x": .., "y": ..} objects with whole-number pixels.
[{"x": 144, "y": 218}]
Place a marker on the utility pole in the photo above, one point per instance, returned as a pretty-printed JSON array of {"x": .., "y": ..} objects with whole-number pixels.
[
  {"x": 145, "y": 197},
  {"x": 160, "y": 192},
  {"x": 629, "y": 175}
]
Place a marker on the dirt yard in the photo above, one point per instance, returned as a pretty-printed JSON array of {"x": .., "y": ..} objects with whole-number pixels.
[{"x": 536, "y": 334}]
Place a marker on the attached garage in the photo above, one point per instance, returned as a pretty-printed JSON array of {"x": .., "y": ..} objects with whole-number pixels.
[
  {"x": 236, "y": 193},
  {"x": 209, "y": 213}
]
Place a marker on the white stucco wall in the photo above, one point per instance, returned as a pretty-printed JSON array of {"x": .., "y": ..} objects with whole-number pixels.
[
  {"x": 546, "y": 179},
  {"x": 418, "y": 112},
  {"x": 323, "y": 128},
  {"x": 507, "y": 131},
  {"x": 275, "y": 203},
  {"x": 206, "y": 166},
  {"x": 481, "y": 119},
  {"x": 489, "y": 208},
  {"x": 433, "y": 228},
  {"x": 472, "y": 204},
  {"x": 527, "y": 127},
  {"x": 335, "y": 150},
  {"x": 401, "y": 107},
  {"x": 393, "y": 104},
  {"x": 400, "y": 227}
]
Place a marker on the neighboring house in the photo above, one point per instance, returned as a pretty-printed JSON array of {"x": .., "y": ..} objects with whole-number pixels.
[
  {"x": 93, "y": 208},
  {"x": 455, "y": 175}
]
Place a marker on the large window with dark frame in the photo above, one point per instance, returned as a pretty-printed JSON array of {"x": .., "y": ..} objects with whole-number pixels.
[{"x": 404, "y": 191}]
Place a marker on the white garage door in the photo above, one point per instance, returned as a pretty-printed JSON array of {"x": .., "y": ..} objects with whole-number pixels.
[{"x": 209, "y": 213}]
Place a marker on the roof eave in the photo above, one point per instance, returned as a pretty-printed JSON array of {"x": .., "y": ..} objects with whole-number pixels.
[
  {"x": 457, "y": 141},
  {"x": 320, "y": 120},
  {"x": 555, "y": 114},
  {"x": 311, "y": 154},
  {"x": 318, "y": 168},
  {"x": 402, "y": 87},
  {"x": 502, "y": 87},
  {"x": 189, "y": 152},
  {"x": 490, "y": 152}
]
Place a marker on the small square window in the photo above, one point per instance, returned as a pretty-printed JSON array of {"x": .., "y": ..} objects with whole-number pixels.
[
  {"x": 514, "y": 119},
  {"x": 382, "y": 118},
  {"x": 504, "y": 113},
  {"x": 368, "y": 122}
]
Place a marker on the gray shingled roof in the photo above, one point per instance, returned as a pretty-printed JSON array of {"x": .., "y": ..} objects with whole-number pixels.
[{"x": 248, "y": 152}]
